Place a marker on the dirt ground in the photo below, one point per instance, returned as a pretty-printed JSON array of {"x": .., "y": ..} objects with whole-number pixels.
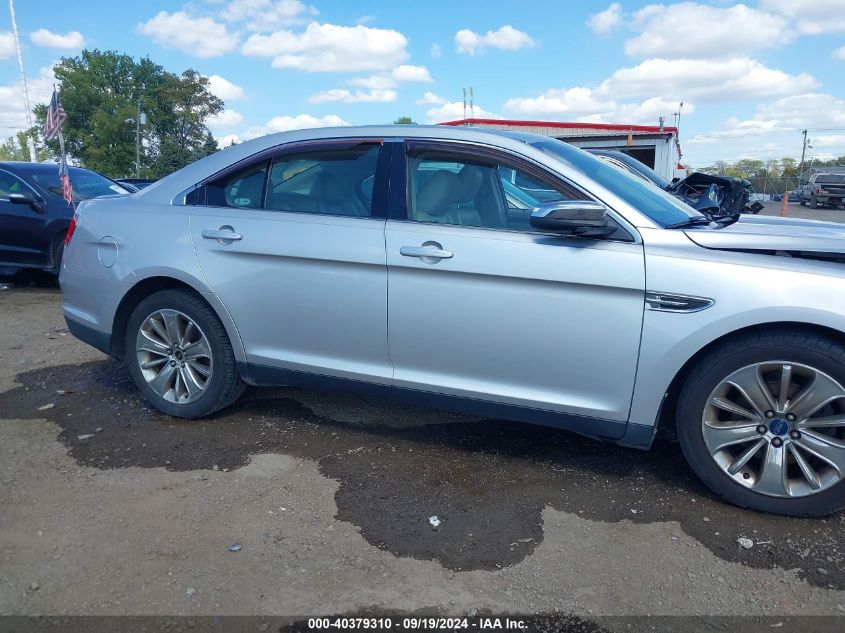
[{"x": 107, "y": 507}]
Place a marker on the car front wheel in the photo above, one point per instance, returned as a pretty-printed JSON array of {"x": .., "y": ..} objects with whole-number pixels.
[
  {"x": 179, "y": 355},
  {"x": 761, "y": 420}
]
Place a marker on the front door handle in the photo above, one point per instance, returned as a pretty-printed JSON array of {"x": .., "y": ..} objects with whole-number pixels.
[
  {"x": 428, "y": 252},
  {"x": 225, "y": 234}
]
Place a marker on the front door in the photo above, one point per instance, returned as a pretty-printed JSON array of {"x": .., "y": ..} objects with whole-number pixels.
[
  {"x": 293, "y": 246},
  {"x": 484, "y": 307},
  {"x": 23, "y": 239}
]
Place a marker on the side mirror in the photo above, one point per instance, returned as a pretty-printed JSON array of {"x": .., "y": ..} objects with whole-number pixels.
[
  {"x": 583, "y": 218},
  {"x": 26, "y": 198}
]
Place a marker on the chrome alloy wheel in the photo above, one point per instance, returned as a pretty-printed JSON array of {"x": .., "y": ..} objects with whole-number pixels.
[
  {"x": 778, "y": 428},
  {"x": 174, "y": 356}
]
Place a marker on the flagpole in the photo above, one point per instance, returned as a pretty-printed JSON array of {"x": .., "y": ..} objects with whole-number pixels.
[{"x": 29, "y": 141}]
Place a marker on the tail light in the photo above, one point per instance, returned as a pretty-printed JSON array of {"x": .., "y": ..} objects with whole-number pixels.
[{"x": 71, "y": 228}]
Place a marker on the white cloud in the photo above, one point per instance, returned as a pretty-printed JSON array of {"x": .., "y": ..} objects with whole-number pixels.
[
  {"x": 224, "y": 89},
  {"x": 12, "y": 105},
  {"x": 451, "y": 111},
  {"x": 506, "y": 38},
  {"x": 429, "y": 98},
  {"x": 435, "y": 50},
  {"x": 375, "y": 82},
  {"x": 198, "y": 36},
  {"x": 810, "y": 18},
  {"x": 606, "y": 21},
  {"x": 331, "y": 48},
  {"x": 584, "y": 105},
  {"x": 359, "y": 96},
  {"x": 662, "y": 83},
  {"x": 730, "y": 80},
  {"x": 7, "y": 44},
  {"x": 690, "y": 30},
  {"x": 266, "y": 15},
  {"x": 225, "y": 141},
  {"x": 71, "y": 40},
  {"x": 407, "y": 72},
  {"x": 225, "y": 120},
  {"x": 298, "y": 122},
  {"x": 839, "y": 54},
  {"x": 779, "y": 125}
]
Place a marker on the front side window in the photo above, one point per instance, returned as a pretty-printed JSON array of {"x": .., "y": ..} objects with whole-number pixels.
[
  {"x": 329, "y": 181},
  {"x": 10, "y": 184},
  {"x": 467, "y": 190}
]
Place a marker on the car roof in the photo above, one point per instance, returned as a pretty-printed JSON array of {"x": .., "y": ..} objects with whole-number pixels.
[
  {"x": 165, "y": 189},
  {"x": 23, "y": 167}
]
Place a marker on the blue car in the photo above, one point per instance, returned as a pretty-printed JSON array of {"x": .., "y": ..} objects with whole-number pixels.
[{"x": 34, "y": 216}]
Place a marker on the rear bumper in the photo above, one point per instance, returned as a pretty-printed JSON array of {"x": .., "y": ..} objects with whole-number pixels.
[{"x": 87, "y": 334}]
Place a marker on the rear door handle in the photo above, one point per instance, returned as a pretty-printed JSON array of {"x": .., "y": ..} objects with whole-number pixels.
[
  {"x": 224, "y": 234},
  {"x": 428, "y": 251}
]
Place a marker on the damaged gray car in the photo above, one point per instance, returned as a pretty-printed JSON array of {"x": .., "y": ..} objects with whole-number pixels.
[{"x": 507, "y": 275}]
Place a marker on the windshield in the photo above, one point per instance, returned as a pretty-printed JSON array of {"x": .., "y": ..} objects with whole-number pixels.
[
  {"x": 659, "y": 206},
  {"x": 86, "y": 184}
]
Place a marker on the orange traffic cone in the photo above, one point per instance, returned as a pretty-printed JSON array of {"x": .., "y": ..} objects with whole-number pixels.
[{"x": 784, "y": 206}]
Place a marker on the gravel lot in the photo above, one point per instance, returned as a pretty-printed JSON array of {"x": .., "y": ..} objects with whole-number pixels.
[{"x": 111, "y": 508}]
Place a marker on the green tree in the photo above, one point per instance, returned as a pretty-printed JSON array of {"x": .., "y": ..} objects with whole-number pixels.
[
  {"x": 15, "y": 147},
  {"x": 101, "y": 90},
  {"x": 404, "y": 120}
]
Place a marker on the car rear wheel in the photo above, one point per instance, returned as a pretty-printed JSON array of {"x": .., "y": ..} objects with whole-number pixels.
[
  {"x": 180, "y": 357},
  {"x": 761, "y": 420}
]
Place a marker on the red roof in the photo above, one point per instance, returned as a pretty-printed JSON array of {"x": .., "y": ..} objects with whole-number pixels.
[{"x": 616, "y": 127}]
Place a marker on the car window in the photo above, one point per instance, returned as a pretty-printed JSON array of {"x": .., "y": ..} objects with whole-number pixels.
[
  {"x": 9, "y": 184},
  {"x": 86, "y": 184},
  {"x": 331, "y": 181},
  {"x": 831, "y": 179},
  {"x": 243, "y": 188},
  {"x": 465, "y": 190}
]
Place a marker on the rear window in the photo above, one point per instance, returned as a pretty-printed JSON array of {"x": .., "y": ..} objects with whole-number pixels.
[
  {"x": 831, "y": 179},
  {"x": 86, "y": 184}
]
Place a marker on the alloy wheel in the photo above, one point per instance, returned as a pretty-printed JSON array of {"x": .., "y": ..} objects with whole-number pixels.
[
  {"x": 174, "y": 356},
  {"x": 778, "y": 428}
]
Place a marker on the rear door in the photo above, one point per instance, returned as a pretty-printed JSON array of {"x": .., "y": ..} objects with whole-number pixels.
[
  {"x": 484, "y": 307},
  {"x": 293, "y": 244}
]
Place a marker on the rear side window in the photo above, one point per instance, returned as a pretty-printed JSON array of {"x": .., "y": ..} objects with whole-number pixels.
[
  {"x": 833, "y": 179},
  {"x": 244, "y": 188},
  {"x": 330, "y": 181}
]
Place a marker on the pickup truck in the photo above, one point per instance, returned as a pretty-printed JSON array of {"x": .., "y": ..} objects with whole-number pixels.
[{"x": 824, "y": 189}]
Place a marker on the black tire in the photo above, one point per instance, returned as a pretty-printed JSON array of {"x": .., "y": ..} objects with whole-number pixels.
[
  {"x": 225, "y": 385},
  {"x": 57, "y": 249},
  {"x": 817, "y": 351},
  {"x": 814, "y": 204},
  {"x": 802, "y": 202}
]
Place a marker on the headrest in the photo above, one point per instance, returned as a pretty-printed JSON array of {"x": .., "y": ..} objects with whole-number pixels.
[
  {"x": 327, "y": 185},
  {"x": 439, "y": 193},
  {"x": 470, "y": 179}
]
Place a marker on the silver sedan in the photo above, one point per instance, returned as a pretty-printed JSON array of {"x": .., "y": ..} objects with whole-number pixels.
[{"x": 507, "y": 275}]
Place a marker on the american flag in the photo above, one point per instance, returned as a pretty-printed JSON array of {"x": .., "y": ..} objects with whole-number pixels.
[
  {"x": 67, "y": 190},
  {"x": 64, "y": 176},
  {"x": 56, "y": 117}
]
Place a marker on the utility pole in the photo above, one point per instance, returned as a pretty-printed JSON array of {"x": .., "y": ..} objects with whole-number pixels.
[
  {"x": 29, "y": 141},
  {"x": 138, "y": 142},
  {"x": 803, "y": 152}
]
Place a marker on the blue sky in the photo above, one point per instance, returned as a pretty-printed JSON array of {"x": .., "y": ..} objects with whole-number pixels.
[{"x": 750, "y": 75}]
